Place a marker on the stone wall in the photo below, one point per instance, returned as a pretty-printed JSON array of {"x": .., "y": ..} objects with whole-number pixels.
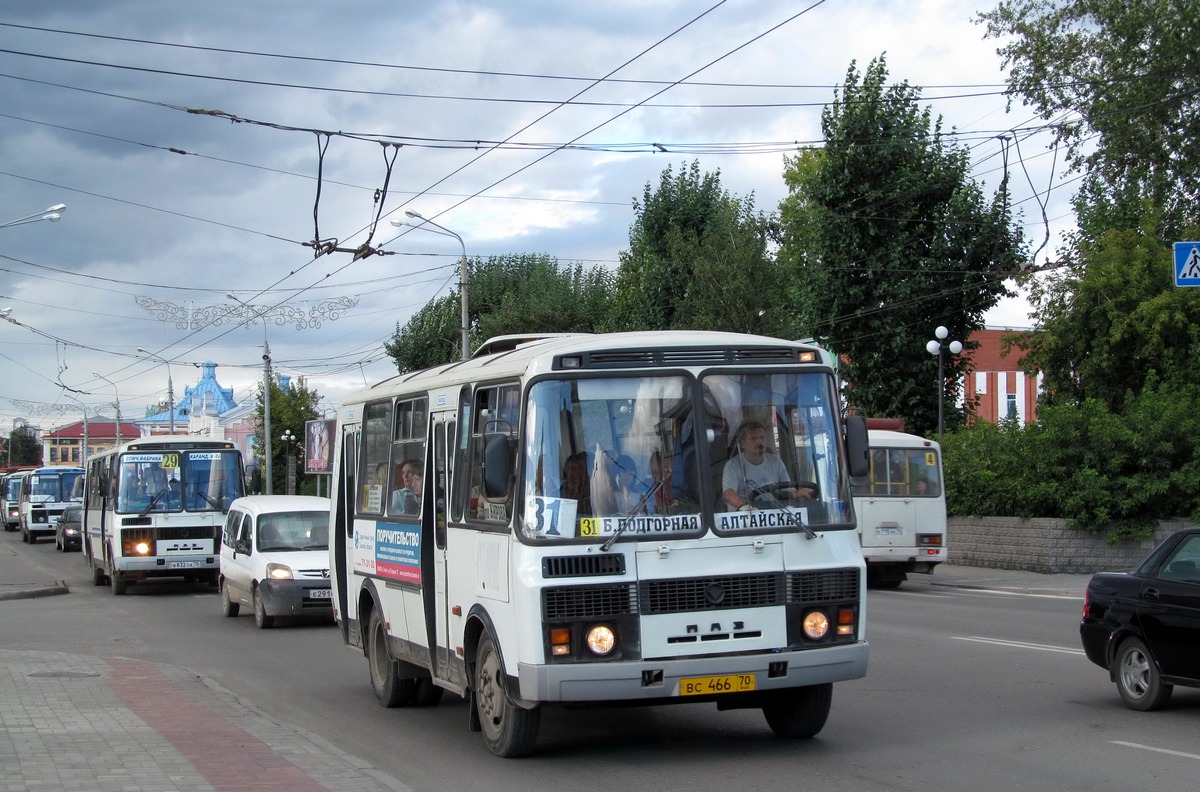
[{"x": 1044, "y": 545}]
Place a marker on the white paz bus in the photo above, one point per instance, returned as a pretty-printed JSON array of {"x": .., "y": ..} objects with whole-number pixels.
[
  {"x": 901, "y": 507},
  {"x": 154, "y": 507},
  {"x": 553, "y": 522}
]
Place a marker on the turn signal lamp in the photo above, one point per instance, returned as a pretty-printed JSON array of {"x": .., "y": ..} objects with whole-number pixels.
[
  {"x": 560, "y": 642},
  {"x": 845, "y": 619}
]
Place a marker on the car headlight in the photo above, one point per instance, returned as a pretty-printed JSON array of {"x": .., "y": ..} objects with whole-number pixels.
[
  {"x": 816, "y": 625},
  {"x": 279, "y": 571}
]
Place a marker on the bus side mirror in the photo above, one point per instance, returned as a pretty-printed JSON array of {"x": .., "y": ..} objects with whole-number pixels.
[
  {"x": 496, "y": 466},
  {"x": 857, "y": 446}
]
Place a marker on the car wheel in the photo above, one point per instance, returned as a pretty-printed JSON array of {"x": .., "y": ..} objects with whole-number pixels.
[
  {"x": 228, "y": 606},
  {"x": 508, "y": 730},
  {"x": 391, "y": 690},
  {"x": 261, "y": 620},
  {"x": 799, "y": 713},
  {"x": 1138, "y": 680}
]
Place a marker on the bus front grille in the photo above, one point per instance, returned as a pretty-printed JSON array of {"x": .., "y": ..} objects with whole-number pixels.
[
  {"x": 833, "y": 585},
  {"x": 583, "y": 602},
  {"x": 683, "y": 595}
]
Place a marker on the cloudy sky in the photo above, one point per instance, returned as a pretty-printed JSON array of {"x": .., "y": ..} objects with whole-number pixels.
[{"x": 186, "y": 141}]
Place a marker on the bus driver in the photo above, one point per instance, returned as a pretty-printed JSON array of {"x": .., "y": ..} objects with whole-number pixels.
[{"x": 754, "y": 468}]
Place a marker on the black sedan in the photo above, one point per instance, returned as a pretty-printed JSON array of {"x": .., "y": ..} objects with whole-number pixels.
[
  {"x": 68, "y": 534},
  {"x": 1144, "y": 626}
]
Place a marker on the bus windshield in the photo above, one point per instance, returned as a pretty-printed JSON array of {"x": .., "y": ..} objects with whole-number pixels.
[
  {"x": 55, "y": 487},
  {"x": 637, "y": 456},
  {"x": 189, "y": 480}
]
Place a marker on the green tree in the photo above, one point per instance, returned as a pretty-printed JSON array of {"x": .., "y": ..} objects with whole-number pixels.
[
  {"x": 887, "y": 237},
  {"x": 1113, "y": 321},
  {"x": 291, "y": 408},
  {"x": 24, "y": 446},
  {"x": 697, "y": 259},
  {"x": 507, "y": 295},
  {"x": 1119, "y": 81}
]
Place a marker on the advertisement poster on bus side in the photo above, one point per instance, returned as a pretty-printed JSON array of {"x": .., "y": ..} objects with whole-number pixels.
[{"x": 388, "y": 550}]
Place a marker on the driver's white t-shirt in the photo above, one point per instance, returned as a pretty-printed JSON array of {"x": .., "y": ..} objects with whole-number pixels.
[{"x": 743, "y": 477}]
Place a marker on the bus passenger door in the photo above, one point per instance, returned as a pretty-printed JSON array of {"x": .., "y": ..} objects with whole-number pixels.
[{"x": 438, "y": 485}]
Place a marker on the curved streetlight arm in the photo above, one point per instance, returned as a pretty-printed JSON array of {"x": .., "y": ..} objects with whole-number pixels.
[
  {"x": 170, "y": 386},
  {"x": 268, "y": 475},
  {"x": 117, "y": 394},
  {"x": 464, "y": 325},
  {"x": 52, "y": 214}
]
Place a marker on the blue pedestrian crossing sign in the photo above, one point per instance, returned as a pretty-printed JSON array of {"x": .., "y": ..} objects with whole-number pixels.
[{"x": 1187, "y": 263}]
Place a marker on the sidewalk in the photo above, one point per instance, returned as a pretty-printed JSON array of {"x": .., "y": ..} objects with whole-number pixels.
[{"x": 81, "y": 723}]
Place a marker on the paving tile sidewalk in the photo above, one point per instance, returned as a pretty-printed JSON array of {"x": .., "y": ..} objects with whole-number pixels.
[{"x": 74, "y": 722}]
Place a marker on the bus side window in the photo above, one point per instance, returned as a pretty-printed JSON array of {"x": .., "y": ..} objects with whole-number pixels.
[
  {"x": 493, "y": 452},
  {"x": 375, "y": 474}
]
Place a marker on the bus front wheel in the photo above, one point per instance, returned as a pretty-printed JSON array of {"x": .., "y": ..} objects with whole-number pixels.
[
  {"x": 800, "y": 712},
  {"x": 391, "y": 690},
  {"x": 509, "y": 731},
  {"x": 119, "y": 583}
]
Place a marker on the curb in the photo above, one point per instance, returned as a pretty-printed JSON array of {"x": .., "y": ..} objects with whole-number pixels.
[{"x": 31, "y": 592}]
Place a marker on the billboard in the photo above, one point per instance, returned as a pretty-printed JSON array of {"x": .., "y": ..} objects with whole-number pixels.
[{"x": 318, "y": 445}]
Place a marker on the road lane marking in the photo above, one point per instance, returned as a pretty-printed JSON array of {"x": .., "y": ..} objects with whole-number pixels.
[
  {"x": 1008, "y": 593},
  {"x": 1018, "y": 644},
  {"x": 1156, "y": 750}
]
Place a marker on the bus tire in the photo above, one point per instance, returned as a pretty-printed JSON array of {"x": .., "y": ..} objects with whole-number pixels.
[
  {"x": 426, "y": 693},
  {"x": 390, "y": 689},
  {"x": 509, "y": 731},
  {"x": 800, "y": 712},
  {"x": 119, "y": 584},
  {"x": 98, "y": 576}
]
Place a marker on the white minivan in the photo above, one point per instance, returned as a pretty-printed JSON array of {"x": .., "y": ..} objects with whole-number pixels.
[{"x": 275, "y": 557}]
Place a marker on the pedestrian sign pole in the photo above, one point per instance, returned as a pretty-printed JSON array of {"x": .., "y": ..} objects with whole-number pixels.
[{"x": 1187, "y": 263}]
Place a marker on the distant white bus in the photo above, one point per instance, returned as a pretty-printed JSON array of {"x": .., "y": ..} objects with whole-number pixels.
[
  {"x": 901, "y": 508},
  {"x": 550, "y": 523},
  {"x": 45, "y": 492},
  {"x": 154, "y": 507}
]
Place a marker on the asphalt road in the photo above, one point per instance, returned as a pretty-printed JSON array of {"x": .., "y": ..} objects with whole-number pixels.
[{"x": 967, "y": 690}]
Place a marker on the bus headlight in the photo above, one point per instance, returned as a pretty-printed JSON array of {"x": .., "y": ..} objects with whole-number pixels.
[
  {"x": 279, "y": 572},
  {"x": 816, "y": 625},
  {"x": 601, "y": 640},
  {"x": 142, "y": 548}
]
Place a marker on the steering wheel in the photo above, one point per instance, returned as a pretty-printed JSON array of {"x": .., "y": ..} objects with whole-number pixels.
[{"x": 782, "y": 487}]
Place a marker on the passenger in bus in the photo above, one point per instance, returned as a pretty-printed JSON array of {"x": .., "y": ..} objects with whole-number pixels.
[
  {"x": 576, "y": 484},
  {"x": 154, "y": 479},
  {"x": 630, "y": 492},
  {"x": 664, "y": 501},
  {"x": 407, "y": 499},
  {"x": 753, "y": 468}
]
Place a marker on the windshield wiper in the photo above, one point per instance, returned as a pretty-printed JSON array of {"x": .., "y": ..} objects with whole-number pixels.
[
  {"x": 621, "y": 526},
  {"x": 153, "y": 500}
]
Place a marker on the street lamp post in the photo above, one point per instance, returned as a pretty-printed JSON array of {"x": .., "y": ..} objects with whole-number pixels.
[
  {"x": 170, "y": 386},
  {"x": 116, "y": 395},
  {"x": 288, "y": 438},
  {"x": 52, "y": 214},
  {"x": 938, "y": 347},
  {"x": 268, "y": 476},
  {"x": 465, "y": 326}
]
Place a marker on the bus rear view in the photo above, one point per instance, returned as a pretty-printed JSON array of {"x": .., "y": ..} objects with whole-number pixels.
[{"x": 901, "y": 508}]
